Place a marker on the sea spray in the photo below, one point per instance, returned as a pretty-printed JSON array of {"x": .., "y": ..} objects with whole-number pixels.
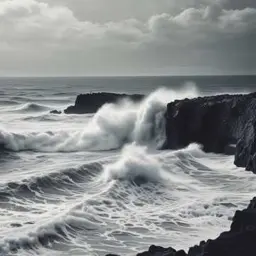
[
  {"x": 135, "y": 164},
  {"x": 111, "y": 127}
]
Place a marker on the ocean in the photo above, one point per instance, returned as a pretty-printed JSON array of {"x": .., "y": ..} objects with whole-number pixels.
[{"x": 98, "y": 183}]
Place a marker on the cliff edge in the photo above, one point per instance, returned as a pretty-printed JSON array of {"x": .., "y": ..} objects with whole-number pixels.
[
  {"x": 221, "y": 124},
  {"x": 91, "y": 102}
]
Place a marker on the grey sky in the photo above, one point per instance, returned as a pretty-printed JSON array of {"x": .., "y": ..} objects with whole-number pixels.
[{"x": 127, "y": 37}]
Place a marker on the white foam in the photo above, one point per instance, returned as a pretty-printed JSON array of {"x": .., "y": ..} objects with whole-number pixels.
[
  {"x": 110, "y": 128},
  {"x": 135, "y": 162},
  {"x": 32, "y": 107}
]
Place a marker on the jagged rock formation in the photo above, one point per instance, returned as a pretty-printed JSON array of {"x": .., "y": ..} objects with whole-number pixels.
[
  {"x": 240, "y": 240},
  {"x": 90, "y": 103},
  {"x": 219, "y": 123}
]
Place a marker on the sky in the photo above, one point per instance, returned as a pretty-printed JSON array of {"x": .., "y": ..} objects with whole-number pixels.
[{"x": 127, "y": 37}]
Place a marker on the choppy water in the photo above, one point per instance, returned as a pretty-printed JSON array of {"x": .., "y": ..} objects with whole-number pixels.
[{"x": 95, "y": 184}]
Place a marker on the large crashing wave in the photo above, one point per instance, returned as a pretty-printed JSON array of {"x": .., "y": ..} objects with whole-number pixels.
[
  {"x": 137, "y": 165},
  {"x": 110, "y": 128}
]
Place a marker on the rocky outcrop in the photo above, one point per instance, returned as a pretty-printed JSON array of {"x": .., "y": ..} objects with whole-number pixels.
[
  {"x": 221, "y": 124},
  {"x": 55, "y": 112},
  {"x": 90, "y": 103},
  {"x": 240, "y": 240}
]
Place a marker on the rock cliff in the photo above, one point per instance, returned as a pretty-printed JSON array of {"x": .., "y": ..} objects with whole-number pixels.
[
  {"x": 90, "y": 103},
  {"x": 221, "y": 124}
]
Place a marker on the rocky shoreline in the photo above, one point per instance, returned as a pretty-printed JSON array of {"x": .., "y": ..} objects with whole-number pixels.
[
  {"x": 240, "y": 240},
  {"x": 221, "y": 124}
]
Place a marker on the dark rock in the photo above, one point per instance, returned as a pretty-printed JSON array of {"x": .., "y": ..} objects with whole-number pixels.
[
  {"x": 29, "y": 223},
  {"x": 56, "y": 112},
  {"x": 158, "y": 251},
  {"x": 221, "y": 124},
  {"x": 16, "y": 225},
  {"x": 90, "y": 103}
]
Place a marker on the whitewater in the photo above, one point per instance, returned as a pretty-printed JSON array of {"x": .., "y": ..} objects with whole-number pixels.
[{"x": 99, "y": 183}]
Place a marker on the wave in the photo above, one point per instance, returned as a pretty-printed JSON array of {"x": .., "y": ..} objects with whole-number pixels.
[
  {"x": 136, "y": 165},
  {"x": 110, "y": 128},
  {"x": 126, "y": 205},
  {"x": 62, "y": 181},
  {"x": 9, "y": 102},
  {"x": 44, "y": 118},
  {"x": 59, "y": 231},
  {"x": 32, "y": 107},
  {"x": 48, "y": 234},
  {"x": 20, "y": 98},
  {"x": 139, "y": 166},
  {"x": 43, "y": 99}
]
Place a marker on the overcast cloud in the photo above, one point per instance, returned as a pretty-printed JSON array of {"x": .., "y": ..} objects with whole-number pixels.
[{"x": 126, "y": 37}]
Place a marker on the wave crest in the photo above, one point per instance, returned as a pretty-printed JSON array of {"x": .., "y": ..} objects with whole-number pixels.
[
  {"x": 111, "y": 127},
  {"x": 32, "y": 107},
  {"x": 135, "y": 165}
]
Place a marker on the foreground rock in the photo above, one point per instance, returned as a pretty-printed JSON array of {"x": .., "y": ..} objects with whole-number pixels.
[
  {"x": 240, "y": 240},
  {"x": 221, "y": 124},
  {"x": 90, "y": 103}
]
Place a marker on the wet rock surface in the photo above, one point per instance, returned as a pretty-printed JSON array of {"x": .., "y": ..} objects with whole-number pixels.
[{"x": 221, "y": 124}]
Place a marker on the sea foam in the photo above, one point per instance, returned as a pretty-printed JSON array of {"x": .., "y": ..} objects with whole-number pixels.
[{"x": 110, "y": 128}]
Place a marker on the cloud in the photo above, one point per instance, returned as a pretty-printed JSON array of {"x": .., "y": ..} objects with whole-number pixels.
[
  {"x": 30, "y": 27},
  {"x": 31, "y": 19}
]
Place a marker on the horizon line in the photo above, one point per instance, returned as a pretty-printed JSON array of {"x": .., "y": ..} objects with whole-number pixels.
[{"x": 122, "y": 76}]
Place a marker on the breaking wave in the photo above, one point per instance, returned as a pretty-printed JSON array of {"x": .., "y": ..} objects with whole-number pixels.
[
  {"x": 110, "y": 128},
  {"x": 62, "y": 181},
  {"x": 32, "y": 107},
  {"x": 136, "y": 165}
]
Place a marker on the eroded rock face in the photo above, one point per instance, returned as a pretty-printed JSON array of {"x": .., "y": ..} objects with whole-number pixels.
[
  {"x": 240, "y": 240},
  {"x": 215, "y": 122},
  {"x": 90, "y": 103}
]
